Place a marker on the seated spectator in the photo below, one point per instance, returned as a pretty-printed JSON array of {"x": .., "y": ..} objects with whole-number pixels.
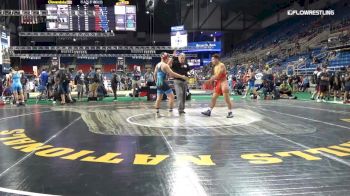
[{"x": 286, "y": 91}]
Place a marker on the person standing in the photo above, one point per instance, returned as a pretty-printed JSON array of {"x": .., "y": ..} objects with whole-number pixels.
[
  {"x": 179, "y": 66},
  {"x": 221, "y": 86},
  {"x": 347, "y": 85},
  {"x": 160, "y": 73},
  {"x": 43, "y": 82},
  {"x": 335, "y": 81},
  {"x": 93, "y": 84},
  {"x": 79, "y": 81},
  {"x": 324, "y": 84},
  {"x": 63, "y": 79},
  {"x": 136, "y": 81},
  {"x": 114, "y": 83},
  {"x": 51, "y": 83},
  {"x": 25, "y": 87},
  {"x": 316, "y": 80},
  {"x": 251, "y": 82},
  {"x": 149, "y": 78}
]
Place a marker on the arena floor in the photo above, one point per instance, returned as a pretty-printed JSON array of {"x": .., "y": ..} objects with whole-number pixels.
[{"x": 283, "y": 147}]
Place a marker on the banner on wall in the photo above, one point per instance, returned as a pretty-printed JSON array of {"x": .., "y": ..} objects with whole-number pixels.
[{"x": 204, "y": 47}]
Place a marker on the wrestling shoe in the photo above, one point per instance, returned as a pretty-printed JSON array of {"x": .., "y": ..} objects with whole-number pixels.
[
  {"x": 229, "y": 115},
  {"x": 207, "y": 113},
  {"x": 182, "y": 112},
  {"x": 157, "y": 114}
]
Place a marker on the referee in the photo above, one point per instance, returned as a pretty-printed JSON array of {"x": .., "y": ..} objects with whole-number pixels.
[{"x": 179, "y": 66}]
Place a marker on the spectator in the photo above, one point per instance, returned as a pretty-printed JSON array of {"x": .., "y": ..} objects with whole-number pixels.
[
  {"x": 25, "y": 85},
  {"x": 295, "y": 83},
  {"x": 43, "y": 82},
  {"x": 347, "y": 85},
  {"x": 324, "y": 84},
  {"x": 335, "y": 82},
  {"x": 93, "y": 84},
  {"x": 316, "y": 80},
  {"x": 86, "y": 82},
  {"x": 51, "y": 83},
  {"x": 101, "y": 90},
  {"x": 286, "y": 91},
  {"x": 79, "y": 81},
  {"x": 149, "y": 78},
  {"x": 285, "y": 88},
  {"x": 114, "y": 83},
  {"x": 305, "y": 83},
  {"x": 63, "y": 79},
  {"x": 136, "y": 81},
  {"x": 251, "y": 82}
]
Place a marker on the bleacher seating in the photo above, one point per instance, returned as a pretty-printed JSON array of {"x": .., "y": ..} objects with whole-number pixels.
[
  {"x": 297, "y": 40},
  {"x": 341, "y": 59}
]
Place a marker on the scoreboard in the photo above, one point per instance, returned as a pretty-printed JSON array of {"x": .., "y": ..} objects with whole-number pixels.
[
  {"x": 125, "y": 17},
  {"x": 90, "y": 17}
]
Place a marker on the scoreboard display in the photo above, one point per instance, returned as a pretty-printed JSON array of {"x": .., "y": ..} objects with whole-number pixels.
[
  {"x": 125, "y": 17},
  {"x": 178, "y": 37},
  {"x": 58, "y": 17},
  {"x": 90, "y": 17}
]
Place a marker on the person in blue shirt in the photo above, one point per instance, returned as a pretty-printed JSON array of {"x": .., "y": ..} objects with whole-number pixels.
[
  {"x": 17, "y": 88},
  {"x": 43, "y": 82}
]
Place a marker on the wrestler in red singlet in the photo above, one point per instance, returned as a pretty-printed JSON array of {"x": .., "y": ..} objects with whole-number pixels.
[{"x": 221, "y": 86}]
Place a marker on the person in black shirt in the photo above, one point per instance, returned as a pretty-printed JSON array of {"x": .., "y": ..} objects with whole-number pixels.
[
  {"x": 179, "y": 66},
  {"x": 63, "y": 79},
  {"x": 93, "y": 84},
  {"x": 324, "y": 83},
  {"x": 51, "y": 83},
  {"x": 114, "y": 83},
  {"x": 136, "y": 81},
  {"x": 335, "y": 83},
  {"x": 347, "y": 85},
  {"x": 79, "y": 81}
]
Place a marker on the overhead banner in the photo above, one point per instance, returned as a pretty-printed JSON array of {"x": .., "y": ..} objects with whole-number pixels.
[
  {"x": 204, "y": 47},
  {"x": 177, "y": 28}
]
